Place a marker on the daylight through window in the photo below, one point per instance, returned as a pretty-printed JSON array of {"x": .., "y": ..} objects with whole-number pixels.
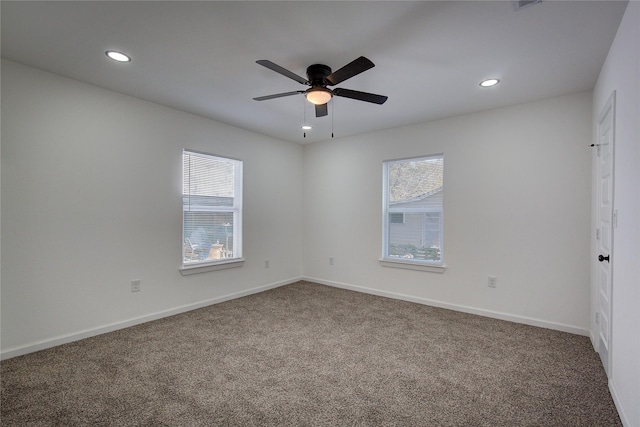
[
  {"x": 212, "y": 209},
  {"x": 413, "y": 194}
]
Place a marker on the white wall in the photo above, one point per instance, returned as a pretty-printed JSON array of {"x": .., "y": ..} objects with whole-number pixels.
[
  {"x": 516, "y": 205},
  {"x": 91, "y": 199},
  {"x": 621, "y": 72}
]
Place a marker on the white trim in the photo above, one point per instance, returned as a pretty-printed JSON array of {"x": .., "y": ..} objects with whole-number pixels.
[
  {"x": 618, "y": 402},
  {"x": 64, "y": 339},
  {"x": 413, "y": 265},
  {"x": 387, "y": 210},
  {"x": 455, "y": 307},
  {"x": 235, "y": 209},
  {"x": 610, "y": 105},
  {"x": 88, "y": 333},
  {"x": 594, "y": 341},
  {"x": 187, "y": 269}
]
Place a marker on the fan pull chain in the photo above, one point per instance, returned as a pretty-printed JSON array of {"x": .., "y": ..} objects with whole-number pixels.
[
  {"x": 304, "y": 116},
  {"x": 333, "y": 113}
]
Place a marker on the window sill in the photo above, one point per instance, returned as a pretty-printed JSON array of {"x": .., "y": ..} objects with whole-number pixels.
[
  {"x": 187, "y": 270},
  {"x": 413, "y": 265}
]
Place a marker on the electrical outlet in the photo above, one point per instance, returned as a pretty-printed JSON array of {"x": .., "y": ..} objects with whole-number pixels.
[
  {"x": 330, "y": 260},
  {"x": 135, "y": 286},
  {"x": 492, "y": 281},
  {"x": 266, "y": 263}
]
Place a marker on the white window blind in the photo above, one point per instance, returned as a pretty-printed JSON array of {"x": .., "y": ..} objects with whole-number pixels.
[
  {"x": 413, "y": 210},
  {"x": 212, "y": 209}
]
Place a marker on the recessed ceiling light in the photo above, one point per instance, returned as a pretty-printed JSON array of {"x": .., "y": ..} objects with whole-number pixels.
[
  {"x": 489, "y": 82},
  {"x": 306, "y": 127},
  {"x": 118, "y": 56}
]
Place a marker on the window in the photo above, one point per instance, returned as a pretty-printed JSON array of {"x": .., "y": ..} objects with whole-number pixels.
[
  {"x": 412, "y": 224},
  {"x": 212, "y": 209},
  {"x": 396, "y": 218}
]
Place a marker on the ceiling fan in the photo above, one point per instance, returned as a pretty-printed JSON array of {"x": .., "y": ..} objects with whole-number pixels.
[{"x": 319, "y": 76}]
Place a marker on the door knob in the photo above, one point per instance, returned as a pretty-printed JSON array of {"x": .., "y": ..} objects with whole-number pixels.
[{"x": 603, "y": 258}]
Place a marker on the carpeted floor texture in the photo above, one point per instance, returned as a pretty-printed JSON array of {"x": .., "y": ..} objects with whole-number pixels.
[{"x": 312, "y": 355}]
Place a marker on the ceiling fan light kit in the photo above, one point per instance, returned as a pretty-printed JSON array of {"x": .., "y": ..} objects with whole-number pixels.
[{"x": 318, "y": 95}]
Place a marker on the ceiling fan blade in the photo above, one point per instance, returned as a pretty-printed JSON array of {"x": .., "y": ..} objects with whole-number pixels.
[
  {"x": 351, "y": 69},
  {"x": 321, "y": 110},
  {"x": 278, "y": 69},
  {"x": 277, "y": 95},
  {"x": 360, "y": 96}
]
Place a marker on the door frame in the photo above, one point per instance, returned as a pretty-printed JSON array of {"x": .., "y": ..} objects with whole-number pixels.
[{"x": 610, "y": 105}]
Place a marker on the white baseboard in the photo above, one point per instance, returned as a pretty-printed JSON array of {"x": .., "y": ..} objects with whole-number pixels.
[
  {"x": 456, "y": 307},
  {"x": 618, "y": 402},
  {"x": 65, "y": 339},
  {"x": 594, "y": 343},
  {"x": 48, "y": 343}
]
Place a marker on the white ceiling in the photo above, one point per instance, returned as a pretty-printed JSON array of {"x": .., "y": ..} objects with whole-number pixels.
[{"x": 199, "y": 57}]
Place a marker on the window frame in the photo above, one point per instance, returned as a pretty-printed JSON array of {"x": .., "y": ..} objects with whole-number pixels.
[
  {"x": 414, "y": 264},
  {"x": 236, "y": 209}
]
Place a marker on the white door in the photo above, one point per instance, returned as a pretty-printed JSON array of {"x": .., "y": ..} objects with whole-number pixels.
[{"x": 605, "y": 223}]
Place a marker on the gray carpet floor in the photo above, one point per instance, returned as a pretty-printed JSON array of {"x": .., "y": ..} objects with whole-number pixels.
[{"x": 311, "y": 355}]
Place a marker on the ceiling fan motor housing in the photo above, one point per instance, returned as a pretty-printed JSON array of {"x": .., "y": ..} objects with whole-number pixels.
[
  {"x": 317, "y": 74},
  {"x": 318, "y": 94}
]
